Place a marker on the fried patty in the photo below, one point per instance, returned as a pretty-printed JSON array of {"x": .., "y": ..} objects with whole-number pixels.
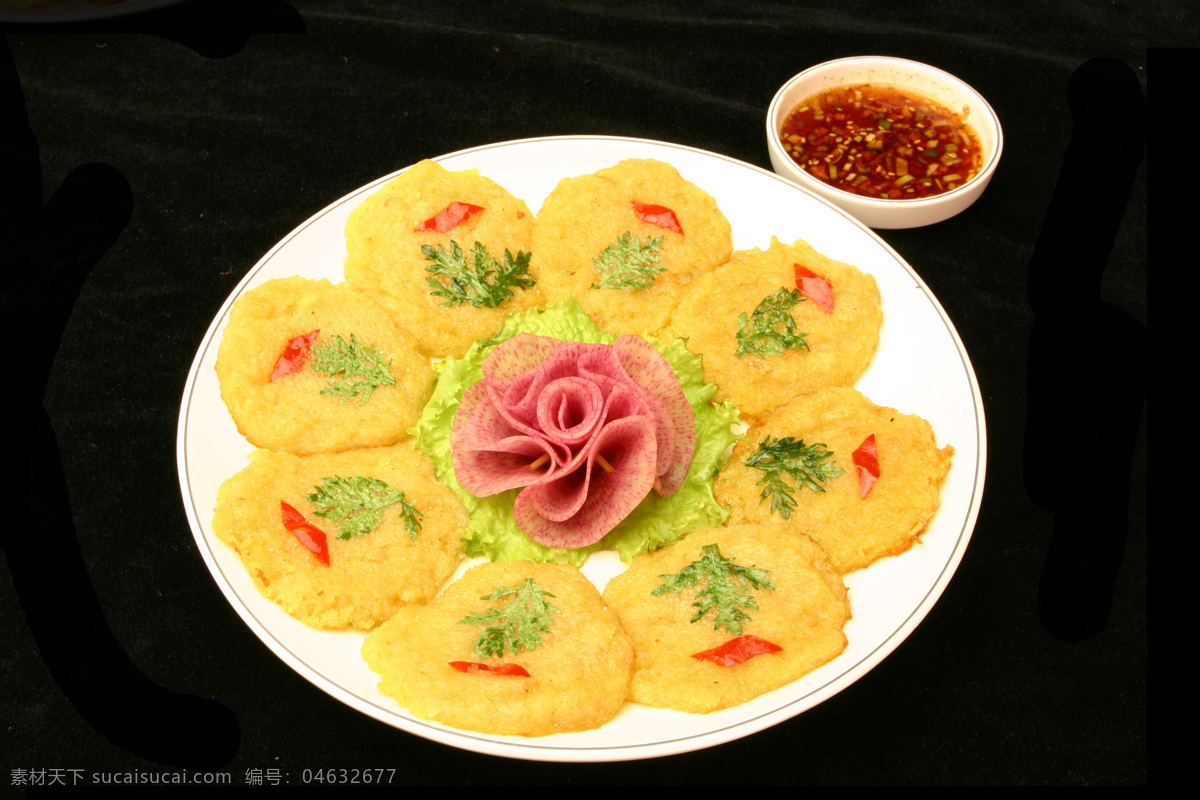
[
  {"x": 384, "y": 252},
  {"x": 585, "y": 215},
  {"x": 302, "y": 412},
  {"x": 369, "y": 576},
  {"x": 802, "y": 614},
  {"x": 837, "y": 348},
  {"x": 854, "y": 530},
  {"x": 578, "y": 677}
]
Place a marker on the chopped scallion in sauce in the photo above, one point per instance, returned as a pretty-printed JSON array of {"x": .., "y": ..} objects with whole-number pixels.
[{"x": 881, "y": 141}]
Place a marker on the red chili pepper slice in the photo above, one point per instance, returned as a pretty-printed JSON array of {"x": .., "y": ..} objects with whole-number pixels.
[
  {"x": 866, "y": 459},
  {"x": 295, "y": 355},
  {"x": 309, "y": 535},
  {"x": 661, "y": 216},
  {"x": 738, "y": 650},
  {"x": 452, "y": 215},
  {"x": 508, "y": 670},
  {"x": 814, "y": 287}
]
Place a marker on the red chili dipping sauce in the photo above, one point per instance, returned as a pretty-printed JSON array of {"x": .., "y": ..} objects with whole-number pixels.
[{"x": 881, "y": 141}]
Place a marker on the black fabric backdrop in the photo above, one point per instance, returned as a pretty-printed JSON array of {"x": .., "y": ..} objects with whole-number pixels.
[{"x": 232, "y": 129}]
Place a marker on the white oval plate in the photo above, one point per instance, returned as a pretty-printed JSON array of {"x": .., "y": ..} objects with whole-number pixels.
[{"x": 921, "y": 368}]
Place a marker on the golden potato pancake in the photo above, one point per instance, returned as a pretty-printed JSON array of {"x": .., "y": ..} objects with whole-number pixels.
[
  {"x": 854, "y": 530},
  {"x": 304, "y": 410},
  {"x": 385, "y": 235},
  {"x": 802, "y": 616},
  {"x": 371, "y": 573},
  {"x": 578, "y": 676},
  {"x": 839, "y": 344},
  {"x": 586, "y": 215}
]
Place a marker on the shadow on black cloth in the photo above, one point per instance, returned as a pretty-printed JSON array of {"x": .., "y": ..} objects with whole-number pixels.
[
  {"x": 47, "y": 252},
  {"x": 211, "y": 28},
  {"x": 1087, "y": 358}
]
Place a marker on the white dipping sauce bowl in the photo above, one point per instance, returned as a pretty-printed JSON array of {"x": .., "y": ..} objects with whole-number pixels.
[{"x": 932, "y": 82}]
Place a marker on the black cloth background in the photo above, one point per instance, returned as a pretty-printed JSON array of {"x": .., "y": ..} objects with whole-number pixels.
[{"x": 229, "y": 141}]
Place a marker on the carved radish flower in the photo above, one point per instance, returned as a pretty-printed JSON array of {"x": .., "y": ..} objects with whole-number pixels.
[{"x": 585, "y": 430}]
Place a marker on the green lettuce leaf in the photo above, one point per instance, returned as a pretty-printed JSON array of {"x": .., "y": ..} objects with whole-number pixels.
[{"x": 657, "y": 520}]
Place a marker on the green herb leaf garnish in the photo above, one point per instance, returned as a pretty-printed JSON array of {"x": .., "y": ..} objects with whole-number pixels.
[
  {"x": 518, "y": 625},
  {"x": 627, "y": 263},
  {"x": 351, "y": 360},
  {"x": 357, "y": 505},
  {"x": 484, "y": 282},
  {"x": 725, "y": 590},
  {"x": 761, "y": 334},
  {"x": 809, "y": 465}
]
